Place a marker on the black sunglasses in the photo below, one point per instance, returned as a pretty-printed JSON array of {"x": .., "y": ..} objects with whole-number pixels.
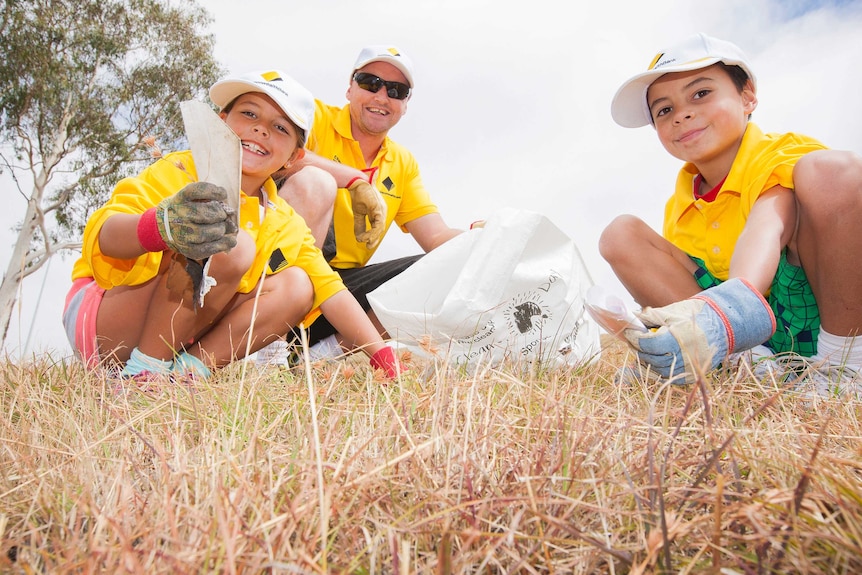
[{"x": 373, "y": 83}]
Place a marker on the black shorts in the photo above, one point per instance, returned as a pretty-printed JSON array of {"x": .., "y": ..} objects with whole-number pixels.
[{"x": 360, "y": 282}]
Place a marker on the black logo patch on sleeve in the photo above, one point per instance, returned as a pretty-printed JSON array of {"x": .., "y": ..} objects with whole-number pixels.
[{"x": 277, "y": 261}]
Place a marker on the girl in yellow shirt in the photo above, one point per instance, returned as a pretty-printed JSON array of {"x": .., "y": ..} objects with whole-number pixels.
[{"x": 128, "y": 304}]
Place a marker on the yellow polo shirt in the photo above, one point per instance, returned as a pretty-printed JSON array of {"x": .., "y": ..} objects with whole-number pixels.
[
  {"x": 709, "y": 230},
  {"x": 397, "y": 179},
  {"x": 282, "y": 237}
]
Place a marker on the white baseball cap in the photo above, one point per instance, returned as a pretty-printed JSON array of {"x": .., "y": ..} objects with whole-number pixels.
[
  {"x": 385, "y": 53},
  {"x": 629, "y": 107},
  {"x": 295, "y": 101}
]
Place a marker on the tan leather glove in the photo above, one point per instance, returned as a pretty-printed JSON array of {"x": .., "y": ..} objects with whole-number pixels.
[{"x": 367, "y": 203}]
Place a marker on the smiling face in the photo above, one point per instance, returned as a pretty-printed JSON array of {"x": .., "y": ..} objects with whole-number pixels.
[
  {"x": 373, "y": 114},
  {"x": 269, "y": 139},
  {"x": 700, "y": 117}
]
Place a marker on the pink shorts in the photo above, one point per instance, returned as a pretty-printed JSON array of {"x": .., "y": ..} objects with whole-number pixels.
[{"x": 79, "y": 319}]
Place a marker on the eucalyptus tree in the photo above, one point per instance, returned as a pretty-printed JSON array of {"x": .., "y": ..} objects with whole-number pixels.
[{"x": 89, "y": 89}]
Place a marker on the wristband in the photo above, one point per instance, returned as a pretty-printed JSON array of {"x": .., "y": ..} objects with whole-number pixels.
[{"x": 148, "y": 232}]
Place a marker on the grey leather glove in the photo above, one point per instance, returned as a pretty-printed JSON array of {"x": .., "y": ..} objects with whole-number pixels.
[{"x": 196, "y": 221}]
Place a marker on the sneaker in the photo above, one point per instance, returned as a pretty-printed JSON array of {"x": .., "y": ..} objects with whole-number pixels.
[
  {"x": 189, "y": 369},
  {"x": 766, "y": 364},
  {"x": 826, "y": 380},
  {"x": 275, "y": 353},
  {"x": 282, "y": 354},
  {"x": 808, "y": 376},
  {"x": 327, "y": 348},
  {"x": 279, "y": 353}
]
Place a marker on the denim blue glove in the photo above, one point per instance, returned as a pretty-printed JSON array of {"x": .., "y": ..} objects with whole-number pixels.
[{"x": 700, "y": 332}]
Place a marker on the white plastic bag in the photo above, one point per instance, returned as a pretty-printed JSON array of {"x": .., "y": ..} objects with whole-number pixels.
[{"x": 511, "y": 291}]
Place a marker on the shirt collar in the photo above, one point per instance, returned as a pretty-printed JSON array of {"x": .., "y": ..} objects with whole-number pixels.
[
  {"x": 342, "y": 123},
  {"x": 750, "y": 140}
]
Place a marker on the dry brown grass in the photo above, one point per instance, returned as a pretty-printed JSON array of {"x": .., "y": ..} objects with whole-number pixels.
[{"x": 442, "y": 472}]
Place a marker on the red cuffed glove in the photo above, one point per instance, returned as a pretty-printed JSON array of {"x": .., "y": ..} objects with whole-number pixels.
[{"x": 386, "y": 360}]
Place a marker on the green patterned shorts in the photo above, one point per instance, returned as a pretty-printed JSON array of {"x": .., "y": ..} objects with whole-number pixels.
[{"x": 792, "y": 301}]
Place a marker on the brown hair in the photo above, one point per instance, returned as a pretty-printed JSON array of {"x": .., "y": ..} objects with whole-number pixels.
[{"x": 737, "y": 75}]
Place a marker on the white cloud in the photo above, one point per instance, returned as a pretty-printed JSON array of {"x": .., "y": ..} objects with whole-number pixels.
[{"x": 512, "y": 100}]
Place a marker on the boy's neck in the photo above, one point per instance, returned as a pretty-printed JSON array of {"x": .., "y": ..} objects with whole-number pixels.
[
  {"x": 703, "y": 190},
  {"x": 716, "y": 169}
]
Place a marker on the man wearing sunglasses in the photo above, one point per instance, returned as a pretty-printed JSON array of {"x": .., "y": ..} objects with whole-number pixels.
[{"x": 378, "y": 180}]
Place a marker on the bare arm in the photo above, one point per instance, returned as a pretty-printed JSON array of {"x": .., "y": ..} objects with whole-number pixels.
[
  {"x": 342, "y": 173},
  {"x": 430, "y": 231},
  {"x": 769, "y": 228},
  {"x": 118, "y": 237},
  {"x": 350, "y": 321}
]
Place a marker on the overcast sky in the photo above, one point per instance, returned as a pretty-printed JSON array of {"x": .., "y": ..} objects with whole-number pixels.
[{"x": 512, "y": 98}]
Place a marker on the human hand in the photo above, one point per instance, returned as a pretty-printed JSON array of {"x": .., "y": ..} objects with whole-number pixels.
[
  {"x": 700, "y": 332},
  {"x": 386, "y": 360},
  {"x": 196, "y": 221},
  {"x": 367, "y": 203}
]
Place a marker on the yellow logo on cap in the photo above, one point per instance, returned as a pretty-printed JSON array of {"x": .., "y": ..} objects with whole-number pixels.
[
  {"x": 271, "y": 76},
  {"x": 655, "y": 60},
  {"x": 393, "y": 51}
]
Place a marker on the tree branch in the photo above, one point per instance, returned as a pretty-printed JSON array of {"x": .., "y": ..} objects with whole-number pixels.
[{"x": 36, "y": 259}]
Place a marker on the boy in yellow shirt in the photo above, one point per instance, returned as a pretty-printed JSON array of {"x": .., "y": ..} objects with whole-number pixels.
[
  {"x": 753, "y": 216},
  {"x": 122, "y": 306}
]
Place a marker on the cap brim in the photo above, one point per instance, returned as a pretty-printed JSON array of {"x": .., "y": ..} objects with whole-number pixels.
[
  {"x": 629, "y": 107},
  {"x": 389, "y": 60},
  {"x": 226, "y": 91}
]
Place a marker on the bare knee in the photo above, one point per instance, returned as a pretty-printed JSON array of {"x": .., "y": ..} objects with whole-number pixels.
[
  {"x": 829, "y": 180},
  {"x": 231, "y": 266},
  {"x": 618, "y": 237},
  {"x": 289, "y": 295},
  {"x": 311, "y": 188}
]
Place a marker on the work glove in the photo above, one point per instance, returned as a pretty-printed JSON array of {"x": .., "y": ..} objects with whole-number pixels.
[
  {"x": 367, "y": 203},
  {"x": 702, "y": 331},
  {"x": 385, "y": 359},
  {"x": 195, "y": 222}
]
